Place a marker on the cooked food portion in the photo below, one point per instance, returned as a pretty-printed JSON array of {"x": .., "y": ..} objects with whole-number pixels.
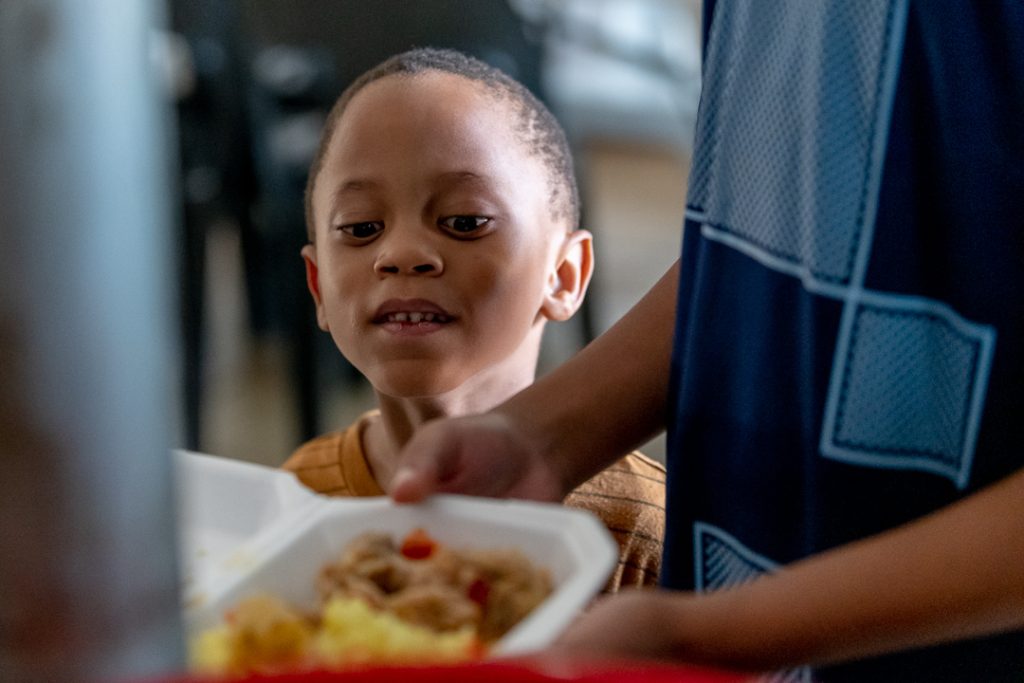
[
  {"x": 261, "y": 635},
  {"x": 265, "y": 636},
  {"x": 414, "y": 601},
  {"x": 441, "y": 588}
]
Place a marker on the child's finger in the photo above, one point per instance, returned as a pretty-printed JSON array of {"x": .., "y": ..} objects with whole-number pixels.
[
  {"x": 409, "y": 486},
  {"x": 420, "y": 471}
]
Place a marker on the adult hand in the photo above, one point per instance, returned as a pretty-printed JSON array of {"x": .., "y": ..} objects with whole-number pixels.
[
  {"x": 632, "y": 624},
  {"x": 482, "y": 455}
]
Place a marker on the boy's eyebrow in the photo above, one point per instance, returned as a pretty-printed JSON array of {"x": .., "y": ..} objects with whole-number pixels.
[
  {"x": 482, "y": 181},
  {"x": 356, "y": 185},
  {"x": 363, "y": 184},
  {"x": 350, "y": 186},
  {"x": 457, "y": 176}
]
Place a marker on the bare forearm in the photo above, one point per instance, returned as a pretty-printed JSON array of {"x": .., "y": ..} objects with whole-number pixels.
[
  {"x": 955, "y": 574},
  {"x": 610, "y": 397}
]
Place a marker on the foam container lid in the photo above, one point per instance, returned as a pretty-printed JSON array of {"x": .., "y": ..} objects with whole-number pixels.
[{"x": 247, "y": 529}]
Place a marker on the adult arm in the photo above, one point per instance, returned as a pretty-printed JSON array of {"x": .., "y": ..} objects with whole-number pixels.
[
  {"x": 552, "y": 436},
  {"x": 954, "y": 574}
]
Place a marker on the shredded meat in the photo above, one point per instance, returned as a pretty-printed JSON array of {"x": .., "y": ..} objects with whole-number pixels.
[{"x": 436, "y": 586}]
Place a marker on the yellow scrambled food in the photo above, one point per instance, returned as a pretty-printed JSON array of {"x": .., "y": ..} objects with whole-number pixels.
[{"x": 382, "y": 602}]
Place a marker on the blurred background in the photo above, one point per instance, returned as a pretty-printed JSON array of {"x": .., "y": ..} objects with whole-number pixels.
[{"x": 253, "y": 81}]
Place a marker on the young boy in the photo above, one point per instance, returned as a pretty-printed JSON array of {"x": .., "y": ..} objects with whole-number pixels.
[{"x": 442, "y": 215}]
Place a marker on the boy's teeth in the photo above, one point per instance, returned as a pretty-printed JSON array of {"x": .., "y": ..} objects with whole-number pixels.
[{"x": 415, "y": 317}]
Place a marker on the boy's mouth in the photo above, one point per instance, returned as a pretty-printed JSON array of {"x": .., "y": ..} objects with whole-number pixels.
[{"x": 397, "y": 313}]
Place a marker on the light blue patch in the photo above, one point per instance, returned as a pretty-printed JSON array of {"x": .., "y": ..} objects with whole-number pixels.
[
  {"x": 908, "y": 387},
  {"x": 821, "y": 74},
  {"x": 721, "y": 561}
]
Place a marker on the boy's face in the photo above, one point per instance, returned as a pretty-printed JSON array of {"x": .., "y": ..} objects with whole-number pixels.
[{"x": 437, "y": 257}]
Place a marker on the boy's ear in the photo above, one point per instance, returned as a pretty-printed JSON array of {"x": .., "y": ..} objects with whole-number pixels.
[
  {"x": 313, "y": 283},
  {"x": 568, "y": 282}
]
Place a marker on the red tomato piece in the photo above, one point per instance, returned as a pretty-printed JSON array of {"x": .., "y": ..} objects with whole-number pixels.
[{"x": 418, "y": 545}]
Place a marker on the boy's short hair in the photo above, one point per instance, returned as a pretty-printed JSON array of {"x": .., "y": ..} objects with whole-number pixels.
[{"x": 536, "y": 127}]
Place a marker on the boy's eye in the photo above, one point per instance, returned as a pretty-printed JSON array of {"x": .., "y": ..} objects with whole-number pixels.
[
  {"x": 362, "y": 231},
  {"x": 464, "y": 225}
]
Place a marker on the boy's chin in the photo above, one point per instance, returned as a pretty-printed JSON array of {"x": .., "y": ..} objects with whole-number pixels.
[{"x": 415, "y": 386}]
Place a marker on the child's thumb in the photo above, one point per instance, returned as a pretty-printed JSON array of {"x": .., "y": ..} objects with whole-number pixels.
[
  {"x": 419, "y": 469},
  {"x": 411, "y": 483}
]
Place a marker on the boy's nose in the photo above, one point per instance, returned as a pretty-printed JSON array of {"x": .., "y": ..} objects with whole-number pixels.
[{"x": 409, "y": 259}]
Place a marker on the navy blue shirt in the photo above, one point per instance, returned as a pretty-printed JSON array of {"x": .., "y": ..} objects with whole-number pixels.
[{"x": 849, "y": 350}]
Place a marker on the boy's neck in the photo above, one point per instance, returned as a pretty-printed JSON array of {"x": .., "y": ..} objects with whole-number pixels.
[{"x": 400, "y": 417}]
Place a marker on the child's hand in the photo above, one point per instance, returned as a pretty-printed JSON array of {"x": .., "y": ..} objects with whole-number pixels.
[{"x": 481, "y": 455}]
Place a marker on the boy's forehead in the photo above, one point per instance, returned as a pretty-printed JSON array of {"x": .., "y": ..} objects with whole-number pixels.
[
  {"x": 424, "y": 125},
  {"x": 432, "y": 100}
]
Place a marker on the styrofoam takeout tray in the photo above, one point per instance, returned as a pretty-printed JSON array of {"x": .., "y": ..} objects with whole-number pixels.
[{"x": 246, "y": 529}]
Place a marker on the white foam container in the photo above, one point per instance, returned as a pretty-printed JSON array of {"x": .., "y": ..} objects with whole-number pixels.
[{"x": 246, "y": 529}]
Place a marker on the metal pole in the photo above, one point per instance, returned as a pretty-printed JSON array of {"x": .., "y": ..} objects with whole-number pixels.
[{"x": 88, "y": 576}]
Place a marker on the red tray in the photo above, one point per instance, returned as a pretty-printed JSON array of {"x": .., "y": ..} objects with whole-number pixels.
[{"x": 502, "y": 672}]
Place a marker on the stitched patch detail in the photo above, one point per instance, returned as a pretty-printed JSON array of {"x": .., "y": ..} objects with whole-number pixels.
[
  {"x": 908, "y": 389},
  {"x": 720, "y": 561}
]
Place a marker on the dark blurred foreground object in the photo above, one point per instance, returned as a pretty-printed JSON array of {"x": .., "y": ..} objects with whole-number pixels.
[{"x": 88, "y": 581}]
